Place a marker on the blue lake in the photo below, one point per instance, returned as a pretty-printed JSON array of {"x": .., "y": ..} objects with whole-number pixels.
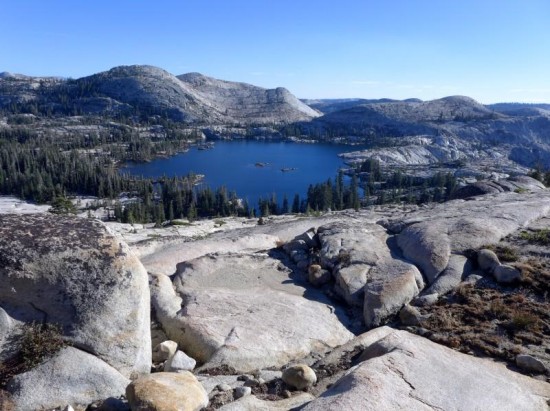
[{"x": 233, "y": 164}]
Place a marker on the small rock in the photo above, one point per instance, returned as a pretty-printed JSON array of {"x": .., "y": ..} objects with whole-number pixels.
[
  {"x": 251, "y": 383},
  {"x": 68, "y": 408},
  {"x": 473, "y": 278},
  {"x": 223, "y": 387},
  {"x": 286, "y": 394},
  {"x": 317, "y": 276},
  {"x": 179, "y": 362},
  {"x": 243, "y": 377},
  {"x": 269, "y": 375},
  {"x": 167, "y": 391},
  {"x": 487, "y": 260},
  {"x": 410, "y": 315},
  {"x": 529, "y": 363},
  {"x": 164, "y": 350},
  {"x": 426, "y": 300},
  {"x": 506, "y": 274},
  {"x": 299, "y": 376},
  {"x": 240, "y": 392},
  {"x": 309, "y": 238}
]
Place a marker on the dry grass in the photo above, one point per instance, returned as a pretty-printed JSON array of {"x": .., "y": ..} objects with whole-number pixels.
[
  {"x": 524, "y": 320},
  {"x": 489, "y": 321}
]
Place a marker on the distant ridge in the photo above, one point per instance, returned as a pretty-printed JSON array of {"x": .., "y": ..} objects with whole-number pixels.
[{"x": 191, "y": 98}]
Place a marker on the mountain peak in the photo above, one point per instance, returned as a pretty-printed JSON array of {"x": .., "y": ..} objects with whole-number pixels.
[{"x": 191, "y": 97}]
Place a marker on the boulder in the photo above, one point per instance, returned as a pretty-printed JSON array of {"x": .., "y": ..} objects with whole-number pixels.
[
  {"x": 223, "y": 387},
  {"x": 240, "y": 392},
  {"x": 528, "y": 183},
  {"x": 425, "y": 300},
  {"x": 429, "y": 236},
  {"x": 166, "y": 391},
  {"x": 367, "y": 272},
  {"x": 391, "y": 285},
  {"x": 309, "y": 238},
  {"x": 405, "y": 371},
  {"x": 244, "y": 311},
  {"x": 498, "y": 186},
  {"x": 359, "y": 343},
  {"x": 257, "y": 328},
  {"x": 70, "y": 377},
  {"x": 72, "y": 272},
  {"x": 411, "y": 316},
  {"x": 350, "y": 283},
  {"x": 179, "y": 362},
  {"x": 506, "y": 274},
  {"x": 530, "y": 363},
  {"x": 487, "y": 260},
  {"x": 299, "y": 376},
  {"x": 458, "y": 268},
  {"x": 350, "y": 250},
  {"x": 351, "y": 242},
  {"x": 427, "y": 246},
  {"x": 164, "y": 350},
  {"x": 477, "y": 189}
]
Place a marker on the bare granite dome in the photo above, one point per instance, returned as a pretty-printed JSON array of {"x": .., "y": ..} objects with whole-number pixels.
[
  {"x": 247, "y": 103},
  {"x": 192, "y": 97}
]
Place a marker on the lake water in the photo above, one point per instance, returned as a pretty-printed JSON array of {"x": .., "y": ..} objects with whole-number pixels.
[{"x": 233, "y": 164}]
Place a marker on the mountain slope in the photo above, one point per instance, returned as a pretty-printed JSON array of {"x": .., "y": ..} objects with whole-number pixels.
[
  {"x": 453, "y": 127},
  {"x": 246, "y": 103},
  {"x": 192, "y": 98},
  {"x": 326, "y": 106}
]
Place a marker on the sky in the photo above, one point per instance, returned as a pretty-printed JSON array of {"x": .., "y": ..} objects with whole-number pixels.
[{"x": 486, "y": 49}]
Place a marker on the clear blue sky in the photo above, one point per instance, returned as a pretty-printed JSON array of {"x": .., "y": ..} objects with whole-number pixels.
[{"x": 491, "y": 50}]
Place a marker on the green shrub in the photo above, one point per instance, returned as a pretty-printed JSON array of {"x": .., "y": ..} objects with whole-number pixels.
[
  {"x": 537, "y": 236},
  {"x": 39, "y": 342},
  {"x": 62, "y": 205}
]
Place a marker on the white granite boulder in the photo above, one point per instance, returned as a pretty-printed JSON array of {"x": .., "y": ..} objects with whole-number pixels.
[
  {"x": 405, "y": 371},
  {"x": 69, "y": 377},
  {"x": 72, "y": 272},
  {"x": 246, "y": 312}
]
